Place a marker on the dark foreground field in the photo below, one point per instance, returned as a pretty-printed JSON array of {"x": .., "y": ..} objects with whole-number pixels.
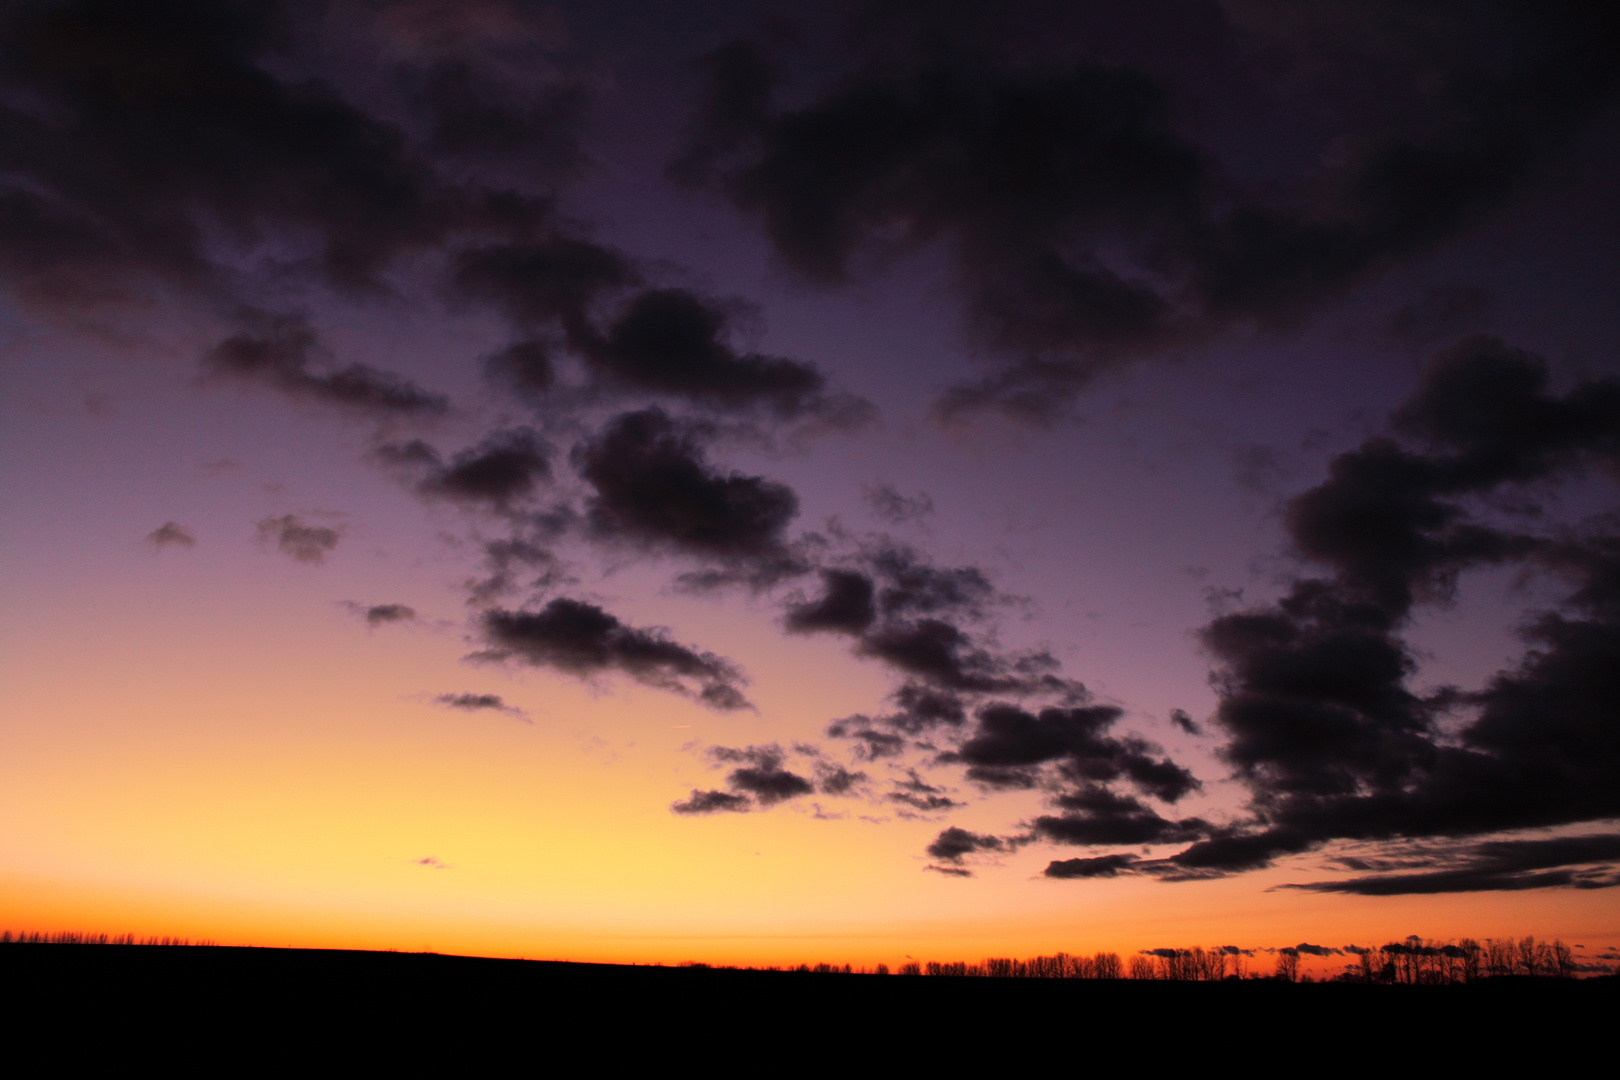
[{"x": 264, "y": 1004}]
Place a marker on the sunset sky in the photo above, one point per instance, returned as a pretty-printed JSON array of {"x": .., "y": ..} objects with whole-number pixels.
[{"x": 778, "y": 482}]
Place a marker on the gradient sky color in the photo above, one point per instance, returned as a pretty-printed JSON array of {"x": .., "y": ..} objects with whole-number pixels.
[{"x": 771, "y": 483}]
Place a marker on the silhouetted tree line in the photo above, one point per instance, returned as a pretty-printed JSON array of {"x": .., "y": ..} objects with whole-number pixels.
[
  {"x": 1416, "y": 961},
  {"x": 1428, "y": 963},
  {"x": 1103, "y": 965},
  {"x": 69, "y": 937}
]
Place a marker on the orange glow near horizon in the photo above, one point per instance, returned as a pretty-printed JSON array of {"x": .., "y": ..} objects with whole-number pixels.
[
  {"x": 277, "y": 789},
  {"x": 413, "y": 919}
]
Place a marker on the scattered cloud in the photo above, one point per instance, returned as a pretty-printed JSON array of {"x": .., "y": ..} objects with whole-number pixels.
[
  {"x": 505, "y": 467},
  {"x": 377, "y": 615},
  {"x": 1098, "y": 866},
  {"x": 171, "y": 533},
  {"x": 473, "y": 702},
  {"x": 761, "y": 775},
  {"x": 1590, "y": 861},
  {"x": 581, "y": 639},
  {"x": 298, "y": 540},
  {"x": 655, "y": 488},
  {"x": 711, "y": 802},
  {"x": 278, "y": 352}
]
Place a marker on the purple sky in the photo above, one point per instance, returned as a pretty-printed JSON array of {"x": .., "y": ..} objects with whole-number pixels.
[{"x": 1180, "y": 436}]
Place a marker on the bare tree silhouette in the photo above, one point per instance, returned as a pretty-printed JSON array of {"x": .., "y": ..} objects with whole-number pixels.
[{"x": 1416, "y": 961}]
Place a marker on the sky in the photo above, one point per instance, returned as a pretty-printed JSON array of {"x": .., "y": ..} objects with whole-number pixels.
[{"x": 778, "y": 482}]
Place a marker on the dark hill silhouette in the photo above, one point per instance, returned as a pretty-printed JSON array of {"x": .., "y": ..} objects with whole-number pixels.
[{"x": 252, "y": 1005}]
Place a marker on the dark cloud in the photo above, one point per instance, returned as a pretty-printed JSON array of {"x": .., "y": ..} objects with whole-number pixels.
[
  {"x": 761, "y": 774},
  {"x": 471, "y": 702},
  {"x": 914, "y": 586},
  {"x": 486, "y": 100},
  {"x": 171, "y": 533},
  {"x": 505, "y": 467},
  {"x": 922, "y": 621},
  {"x": 1100, "y": 816},
  {"x": 1305, "y": 949},
  {"x": 1099, "y": 866},
  {"x": 761, "y": 780},
  {"x": 1233, "y": 849},
  {"x": 870, "y": 743},
  {"x": 922, "y": 708},
  {"x": 1008, "y": 746},
  {"x": 1390, "y": 519},
  {"x": 151, "y": 145},
  {"x": 277, "y": 352},
  {"x": 741, "y": 79},
  {"x": 927, "y": 804},
  {"x": 950, "y": 871},
  {"x": 938, "y": 653},
  {"x": 846, "y": 605},
  {"x": 1446, "y": 881},
  {"x": 912, "y": 616},
  {"x": 583, "y": 640},
  {"x": 197, "y": 152},
  {"x": 1590, "y": 861},
  {"x": 382, "y": 614},
  {"x": 710, "y": 802},
  {"x": 666, "y": 342},
  {"x": 1314, "y": 699},
  {"x": 303, "y": 542},
  {"x": 1314, "y": 696},
  {"x": 954, "y": 152},
  {"x": 479, "y": 703},
  {"x": 1489, "y": 405},
  {"x": 670, "y": 341},
  {"x": 655, "y": 488},
  {"x": 387, "y": 613},
  {"x": 1094, "y": 815},
  {"x": 919, "y": 794},
  {"x": 770, "y": 786},
  {"x": 953, "y": 844},
  {"x": 837, "y": 780},
  {"x": 1085, "y": 226},
  {"x": 551, "y": 280},
  {"x": 1185, "y": 723}
]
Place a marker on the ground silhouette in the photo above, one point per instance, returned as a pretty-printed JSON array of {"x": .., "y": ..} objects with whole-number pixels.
[{"x": 253, "y": 1004}]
